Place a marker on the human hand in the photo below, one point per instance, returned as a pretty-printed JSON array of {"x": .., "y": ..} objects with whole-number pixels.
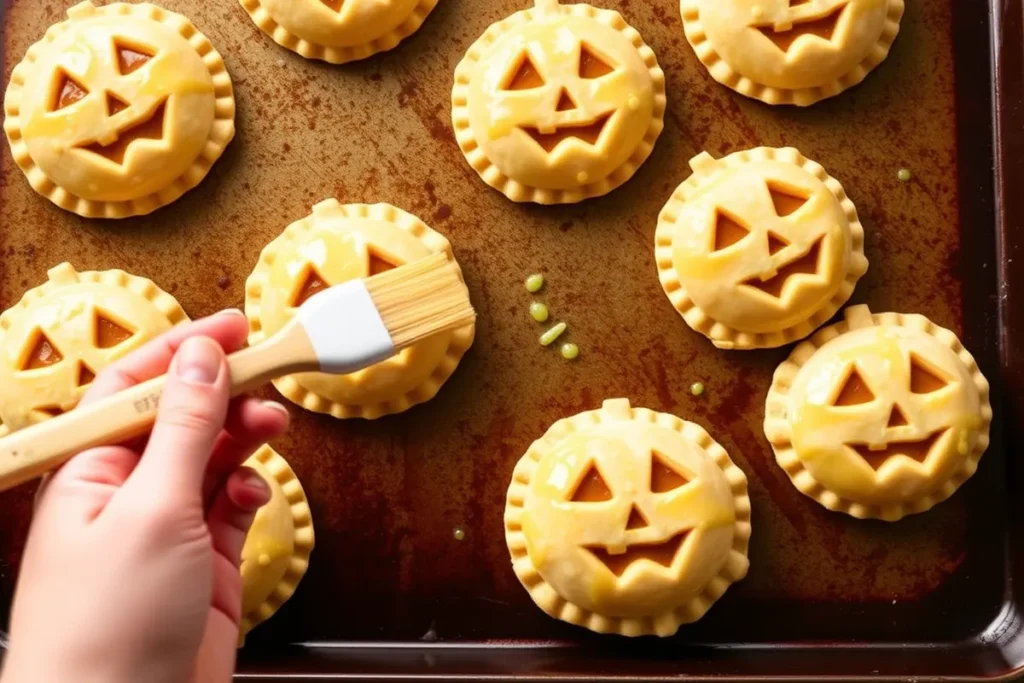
[{"x": 130, "y": 573}]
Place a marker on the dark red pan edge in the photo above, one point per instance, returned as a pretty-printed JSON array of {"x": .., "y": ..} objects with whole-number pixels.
[{"x": 997, "y": 653}]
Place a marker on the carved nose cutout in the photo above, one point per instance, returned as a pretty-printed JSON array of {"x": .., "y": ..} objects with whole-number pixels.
[
  {"x": 115, "y": 105},
  {"x": 897, "y": 418},
  {"x": 776, "y": 243},
  {"x": 66, "y": 91},
  {"x": 565, "y": 102},
  {"x": 823, "y": 27},
  {"x": 313, "y": 284},
  {"x": 855, "y": 391},
  {"x": 592, "y": 488},
  {"x": 85, "y": 375},
  {"x": 663, "y": 553},
  {"x": 592, "y": 66},
  {"x": 525, "y": 76},
  {"x": 131, "y": 57},
  {"x": 636, "y": 519},
  {"x": 44, "y": 353},
  {"x": 728, "y": 230},
  {"x": 922, "y": 379},
  {"x": 335, "y": 5}
]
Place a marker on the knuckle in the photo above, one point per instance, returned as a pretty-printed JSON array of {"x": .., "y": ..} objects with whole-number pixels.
[{"x": 190, "y": 417}]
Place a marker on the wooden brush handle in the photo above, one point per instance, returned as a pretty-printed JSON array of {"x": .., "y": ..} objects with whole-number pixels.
[{"x": 35, "y": 450}]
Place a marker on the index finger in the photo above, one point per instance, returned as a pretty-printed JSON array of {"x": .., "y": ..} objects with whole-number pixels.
[{"x": 228, "y": 328}]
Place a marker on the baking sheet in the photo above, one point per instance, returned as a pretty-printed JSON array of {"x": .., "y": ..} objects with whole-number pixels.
[{"x": 390, "y": 592}]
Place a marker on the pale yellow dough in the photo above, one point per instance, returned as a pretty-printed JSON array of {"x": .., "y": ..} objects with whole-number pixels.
[
  {"x": 847, "y": 447},
  {"x": 76, "y": 153},
  {"x": 338, "y": 31},
  {"x": 59, "y": 323},
  {"x": 788, "y": 52},
  {"x": 276, "y": 552},
  {"x": 799, "y": 258},
  {"x": 578, "y": 132},
  {"x": 672, "y": 499},
  {"x": 335, "y": 244}
]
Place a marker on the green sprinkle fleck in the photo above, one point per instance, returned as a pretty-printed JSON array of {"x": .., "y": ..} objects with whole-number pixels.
[
  {"x": 459, "y": 534},
  {"x": 570, "y": 351},
  {"x": 696, "y": 388},
  {"x": 539, "y": 311},
  {"x": 903, "y": 175},
  {"x": 534, "y": 283},
  {"x": 549, "y": 337}
]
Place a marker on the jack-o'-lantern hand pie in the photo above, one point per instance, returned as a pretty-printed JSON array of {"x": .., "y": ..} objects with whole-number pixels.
[
  {"x": 627, "y": 521},
  {"x": 64, "y": 332},
  {"x": 758, "y": 249},
  {"x": 558, "y": 103},
  {"x": 880, "y": 416},
  {"x": 119, "y": 110},
  {"x": 338, "y": 31},
  {"x": 791, "y": 51},
  {"x": 338, "y": 243}
]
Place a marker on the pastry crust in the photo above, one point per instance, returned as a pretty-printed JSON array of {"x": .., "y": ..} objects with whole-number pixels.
[
  {"x": 759, "y": 248},
  {"x": 131, "y": 136},
  {"x": 276, "y": 551},
  {"x": 576, "y": 133},
  {"x": 852, "y": 455},
  {"x": 66, "y": 313},
  {"x": 759, "y": 48},
  {"x": 564, "y": 546},
  {"x": 334, "y": 244},
  {"x": 338, "y": 31}
]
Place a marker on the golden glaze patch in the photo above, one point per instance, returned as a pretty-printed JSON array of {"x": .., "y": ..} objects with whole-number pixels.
[
  {"x": 64, "y": 332},
  {"x": 791, "y": 51},
  {"x": 338, "y": 31},
  {"x": 881, "y": 415},
  {"x": 759, "y": 248},
  {"x": 119, "y": 110},
  {"x": 627, "y": 521},
  {"x": 335, "y": 244},
  {"x": 558, "y": 103}
]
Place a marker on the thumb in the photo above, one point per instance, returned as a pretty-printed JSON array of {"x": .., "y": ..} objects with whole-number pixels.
[{"x": 192, "y": 411}]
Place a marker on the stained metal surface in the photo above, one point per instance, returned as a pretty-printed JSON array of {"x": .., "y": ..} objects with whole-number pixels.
[{"x": 387, "y": 495}]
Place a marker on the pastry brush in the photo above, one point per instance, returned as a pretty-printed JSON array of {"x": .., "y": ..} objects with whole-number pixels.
[{"x": 342, "y": 329}]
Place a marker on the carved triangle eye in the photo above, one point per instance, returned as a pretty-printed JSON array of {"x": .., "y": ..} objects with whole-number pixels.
[
  {"x": 66, "y": 91},
  {"x": 380, "y": 264},
  {"x": 786, "y": 201},
  {"x": 855, "y": 391},
  {"x": 109, "y": 333},
  {"x": 665, "y": 477},
  {"x": 592, "y": 66},
  {"x": 131, "y": 57},
  {"x": 924, "y": 380},
  {"x": 526, "y": 76},
  {"x": 43, "y": 353},
  {"x": 592, "y": 488},
  {"x": 728, "y": 230}
]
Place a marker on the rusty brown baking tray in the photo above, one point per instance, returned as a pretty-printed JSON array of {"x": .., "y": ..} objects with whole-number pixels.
[{"x": 390, "y": 593}]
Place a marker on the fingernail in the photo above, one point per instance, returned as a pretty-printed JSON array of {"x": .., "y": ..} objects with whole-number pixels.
[
  {"x": 257, "y": 486},
  {"x": 274, "y": 405},
  {"x": 230, "y": 312},
  {"x": 198, "y": 361}
]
